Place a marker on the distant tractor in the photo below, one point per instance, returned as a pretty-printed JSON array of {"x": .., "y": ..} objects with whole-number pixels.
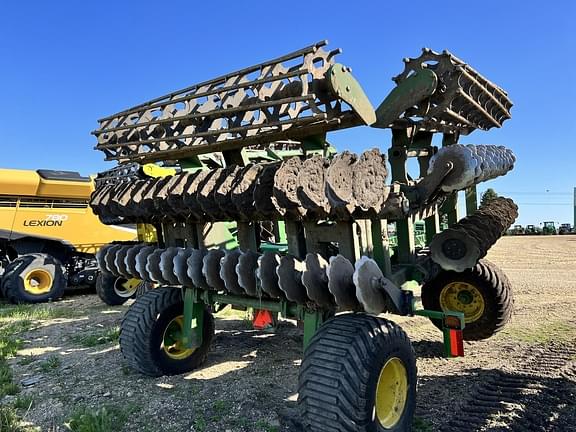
[
  {"x": 549, "y": 228},
  {"x": 517, "y": 230},
  {"x": 49, "y": 236},
  {"x": 565, "y": 228},
  {"x": 531, "y": 230}
]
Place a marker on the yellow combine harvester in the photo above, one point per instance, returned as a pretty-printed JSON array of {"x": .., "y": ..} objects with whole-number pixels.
[{"x": 49, "y": 236}]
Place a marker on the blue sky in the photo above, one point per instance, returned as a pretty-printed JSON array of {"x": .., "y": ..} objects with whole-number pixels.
[{"x": 65, "y": 64}]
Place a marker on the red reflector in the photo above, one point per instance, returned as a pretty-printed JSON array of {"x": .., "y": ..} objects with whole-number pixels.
[
  {"x": 456, "y": 343},
  {"x": 263, "y": 319},
  {"x": 452, "y": 322}
]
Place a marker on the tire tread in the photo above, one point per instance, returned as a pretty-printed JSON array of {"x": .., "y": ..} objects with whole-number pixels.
[
  {"x": 337, "y": 368},
  {"x": 136, "y": 329}
]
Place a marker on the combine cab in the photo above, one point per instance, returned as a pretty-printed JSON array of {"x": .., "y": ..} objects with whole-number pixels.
[
  {"x": 332, "y": 209},
  {"x": 49, "y": 236}
]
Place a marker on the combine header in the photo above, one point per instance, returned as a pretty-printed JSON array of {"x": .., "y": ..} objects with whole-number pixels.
[{"x": 250, "y": 148}]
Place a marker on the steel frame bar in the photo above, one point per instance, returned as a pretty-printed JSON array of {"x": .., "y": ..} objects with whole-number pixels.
[{"x": 450, "y": 206}]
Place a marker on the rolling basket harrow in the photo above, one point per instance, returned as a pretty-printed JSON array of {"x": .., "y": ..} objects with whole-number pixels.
[{"x": 250, "y": 148}]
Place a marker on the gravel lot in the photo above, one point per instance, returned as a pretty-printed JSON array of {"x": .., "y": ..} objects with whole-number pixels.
[{"x": 523, "y": 379}]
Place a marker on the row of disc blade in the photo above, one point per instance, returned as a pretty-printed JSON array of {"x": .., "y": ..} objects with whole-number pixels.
[
  {"x": 464, "y": 100},
  {"x": 461, "y": 246},
  {"x": 472, "y": 164},
  {"x": 335, "y": 283},
  {"x": 314, "y": 187},
  {"x": 234, "y": 193},
  {"x": 318, "y": 187}
]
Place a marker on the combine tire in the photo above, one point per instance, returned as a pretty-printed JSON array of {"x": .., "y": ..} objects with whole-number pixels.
[
  {"x": 33, "y": 278},
  {"x": 483, "y": 294},
  {"x": 358, "y": 374},
  {"x": 114, "y": 290},
  {"x": 3, "y": 264},
  {"x": 150, "y": 335}
]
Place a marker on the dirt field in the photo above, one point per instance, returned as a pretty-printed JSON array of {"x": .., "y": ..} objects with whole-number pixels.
[{"x": 524, "y": 379}]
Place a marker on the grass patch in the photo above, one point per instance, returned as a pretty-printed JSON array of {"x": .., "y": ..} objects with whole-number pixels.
[
  {"x": 35, "y": 312},
  {"x": 10, "y": 328},
  {"x": 264, "y": 426},
  {"x": 220, "y": 406},
  {"x": 242, "y": 422},
  {"x": 51, "y": 363},
  {"x": 24, "y": 403},
  {"x": 105, "y": 419},
  {"x": 15, "y": 320},
  {"x": 26, "y": 360},
  {"x": 550, "y": 331},
  {"x": 98, "y": 338},
  {"x": 219, "y": 409},
  {"x": 421, "y": 425},
  {"x": 9, "y": 388},
  {"x": 9, "y": 421},
  {"x": 200, "y": 424},
  {"x": 8, "y": 347}
]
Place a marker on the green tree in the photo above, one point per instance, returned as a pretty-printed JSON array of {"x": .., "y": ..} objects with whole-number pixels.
[{"x": 488, "y": 195}]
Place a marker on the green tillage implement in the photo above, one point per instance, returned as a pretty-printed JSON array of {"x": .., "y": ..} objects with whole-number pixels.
[{"x": 252, "y": 153}]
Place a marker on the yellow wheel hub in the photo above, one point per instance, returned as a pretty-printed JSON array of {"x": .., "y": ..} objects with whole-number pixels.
[
  {"x": 38, "y": 282},
  {"x": 126, "y": 288},
  {"x": 172, "y": 340},
  {"x": 391, "y": 393},
  {"x": 462, "y": 297}
]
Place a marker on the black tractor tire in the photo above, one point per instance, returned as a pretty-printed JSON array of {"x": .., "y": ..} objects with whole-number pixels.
[
  {"x": 33, "y": 278},
  {"x": 108, "y": 288},
  {"x": 342, "y": 373},
  {"x": 142, "y": 334},
  {"x": 495, "y": 290}
]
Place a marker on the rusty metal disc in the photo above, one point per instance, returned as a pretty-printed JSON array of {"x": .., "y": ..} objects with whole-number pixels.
[
  {"x": 285, "y": 196},
  {"x": 369, "y": 181},
  {"x": 339, "y": 183},
  {"x": 264, "y": 191},
  {"x": 311, "y": 186}
]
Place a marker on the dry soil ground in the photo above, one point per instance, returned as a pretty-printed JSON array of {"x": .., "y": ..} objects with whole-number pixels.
[{"x": 523, "y": 379}]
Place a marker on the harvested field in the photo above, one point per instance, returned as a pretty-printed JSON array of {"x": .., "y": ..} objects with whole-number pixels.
[{"x": 523, "y": 379}]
